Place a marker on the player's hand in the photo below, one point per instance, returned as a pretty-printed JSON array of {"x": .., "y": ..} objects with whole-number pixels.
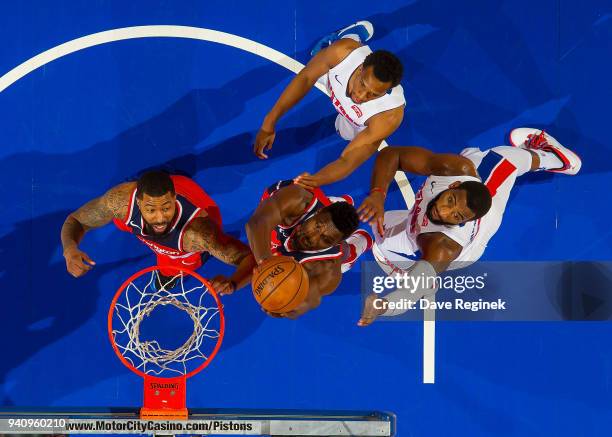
[
  {"x": 271, "y": 314},
  {"x": 78, "y": 262},
  {"x": 372, "y": 211},
  {"x": 262, "y": 260},
  {"x": 223, "y": 285},
  {"x": 263, "y": 141},
  {"x": 300, "y": 310},
  {"x": 308, "y": 181}
]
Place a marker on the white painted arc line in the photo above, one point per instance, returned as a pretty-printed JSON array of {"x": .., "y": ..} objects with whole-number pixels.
[
  {"x": 171, "y": 31},
  {"x": 154, "y": 31}
]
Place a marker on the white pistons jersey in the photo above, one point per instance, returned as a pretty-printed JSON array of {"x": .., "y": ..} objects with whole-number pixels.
[
  {"x": 398, "y": 247},
  {"x": 498, "y": 169},
  {"x": 420, "y": 223},
  {"x": 337, "y": 82}
]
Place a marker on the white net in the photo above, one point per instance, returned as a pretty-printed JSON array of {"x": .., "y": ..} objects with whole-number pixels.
[{"x": 138, "y": 301}]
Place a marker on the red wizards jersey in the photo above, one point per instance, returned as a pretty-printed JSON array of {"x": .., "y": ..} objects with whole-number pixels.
[
  {"x": 281, "y": 242},
  {"x": 191, "y": 199}
]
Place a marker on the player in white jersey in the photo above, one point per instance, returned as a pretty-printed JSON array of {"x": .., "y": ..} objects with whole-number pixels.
[
  {"x": 364, "y": 89},
  {"x": 450, "y": 223}
]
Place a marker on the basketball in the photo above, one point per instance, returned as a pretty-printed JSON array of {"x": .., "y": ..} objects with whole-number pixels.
[{"x": 280, "y": 285}]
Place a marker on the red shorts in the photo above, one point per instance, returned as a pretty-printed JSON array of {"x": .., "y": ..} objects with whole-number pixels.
[{"x": 191, "y": 262}]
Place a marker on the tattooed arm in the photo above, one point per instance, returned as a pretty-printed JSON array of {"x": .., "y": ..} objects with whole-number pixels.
[
  {"x": 203, "y": 234},
  {"x": 94, "y": 214}
]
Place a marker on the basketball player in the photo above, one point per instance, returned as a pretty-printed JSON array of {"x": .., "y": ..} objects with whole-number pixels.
[
  {"x": 457, "y": 210},
  {"x": 173, "y": 216},
  {"x": 319, "y": 232},
  {"x": 365, "y": 90}
]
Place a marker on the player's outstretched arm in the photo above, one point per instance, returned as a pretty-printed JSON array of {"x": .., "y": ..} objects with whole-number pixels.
[
  {"x": 412, "y": 159},
  {"x": 320, "y": 64},
  {"x": 363, "y": 146},
  {"x": 203, "y": 234},
  {"x": 94, "y": 214},
  {"x": 323, "y": 278},
  {"x": 438, "y": 249},
  {"x": 289, "y": 201},
  {"x": 420, "y": 161}
]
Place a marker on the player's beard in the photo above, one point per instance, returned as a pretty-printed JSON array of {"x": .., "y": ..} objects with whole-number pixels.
[
  {"x": 430, "y": 206},
  {"x": 151, "y": 230}
]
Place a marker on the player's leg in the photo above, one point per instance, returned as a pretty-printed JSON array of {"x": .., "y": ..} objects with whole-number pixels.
[
  {"x": 402, "y": 299},
  {"x": 361, "y": 31},
  {"x": 346, "y": 129},
  {"x": 534, "y": 150},
  {"x": 551, "y": 155},
  {"x": 395, "y": 253}
]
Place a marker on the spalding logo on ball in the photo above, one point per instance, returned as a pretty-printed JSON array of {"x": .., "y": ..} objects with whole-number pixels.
[
  {"x": 269, "y": 277},
  {"x": 280, "y": 285}
]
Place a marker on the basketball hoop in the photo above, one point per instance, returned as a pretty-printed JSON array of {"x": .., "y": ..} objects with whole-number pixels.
[{"x": 165, "y": 369}]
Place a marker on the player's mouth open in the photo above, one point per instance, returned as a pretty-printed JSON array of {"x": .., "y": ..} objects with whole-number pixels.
[{"x": 160, "y": 228}]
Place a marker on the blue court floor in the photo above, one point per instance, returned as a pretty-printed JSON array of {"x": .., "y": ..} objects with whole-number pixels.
[{"x": 86, "y": 121}]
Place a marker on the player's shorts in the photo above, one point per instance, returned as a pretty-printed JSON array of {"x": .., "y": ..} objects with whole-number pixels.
[
  {"x": 190, "y": 261},
  {"x": 346, "y": 129}
]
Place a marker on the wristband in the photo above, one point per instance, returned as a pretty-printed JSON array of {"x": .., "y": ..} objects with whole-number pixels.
[{"x": 379, "y": 190}]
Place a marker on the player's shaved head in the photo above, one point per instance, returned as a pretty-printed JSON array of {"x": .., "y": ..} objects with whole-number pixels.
[{"x": 154, "y": 183}]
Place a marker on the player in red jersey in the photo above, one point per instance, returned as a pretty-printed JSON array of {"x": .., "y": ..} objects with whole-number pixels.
[
  {"x": 170, "y": 214},
  {"x": 319, "y": 232}
]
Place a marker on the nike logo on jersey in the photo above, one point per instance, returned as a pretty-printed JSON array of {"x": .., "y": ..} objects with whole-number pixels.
[
  {"x": 136, "y": 226},
  {"x": 413, "y": 257},
  {"x": 337, "y": 80},
  {"x": 188, "y": 263}
]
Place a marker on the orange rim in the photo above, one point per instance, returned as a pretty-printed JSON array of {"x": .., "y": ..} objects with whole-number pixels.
[{"x": 140, "y": 273}]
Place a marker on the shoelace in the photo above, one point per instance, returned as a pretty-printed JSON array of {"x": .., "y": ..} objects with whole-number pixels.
[{"x": 537, "y": 141}]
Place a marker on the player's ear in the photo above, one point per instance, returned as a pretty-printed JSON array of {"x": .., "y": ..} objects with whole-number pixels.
[{"x": 455, "y": 184}]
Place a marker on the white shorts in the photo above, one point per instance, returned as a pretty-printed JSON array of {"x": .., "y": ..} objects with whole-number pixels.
[{"x": 346, "y": 129}]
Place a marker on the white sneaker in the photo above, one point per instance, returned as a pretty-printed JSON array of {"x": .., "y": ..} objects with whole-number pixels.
[
  {"x": 363, "y": 30},
  {"x": 530, "y": 138}
]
